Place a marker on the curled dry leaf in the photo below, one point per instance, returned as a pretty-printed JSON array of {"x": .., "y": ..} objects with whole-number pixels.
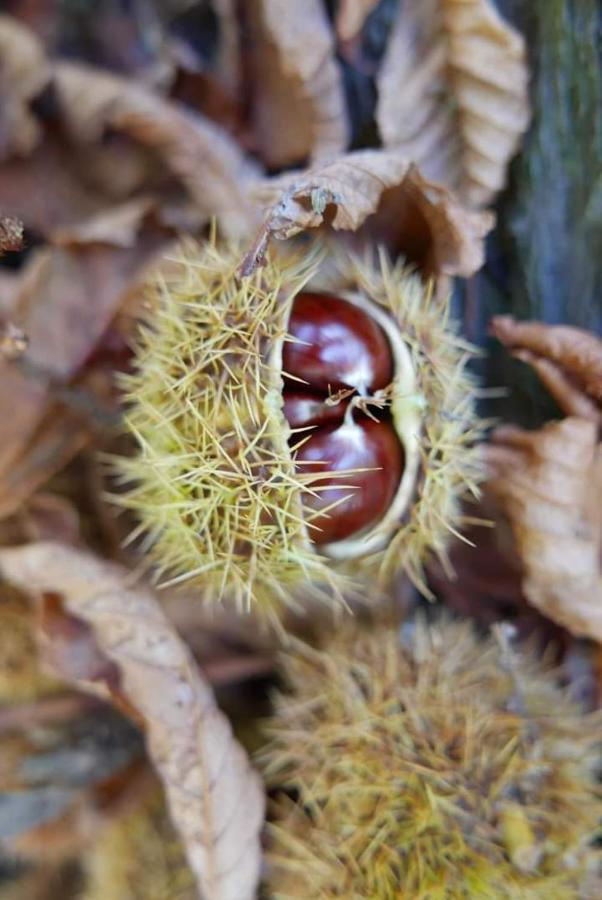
[
  {"x": 453, "y": 94},
  {"x": 570, "y": 398},
  {"x": 299, "y": 104},
  {"x": 215, "y": 798},
  {"x": 68, "y": 646},
  {"x": 387, "y": 195},
  {"x": 549, "y": 484},
  {"x": 118, "y": 225},
  {"x": 350, "y": 17},
  {"x": 66, "y": 298},
  {"x": 280, "y": 115},
  {"x": 71, "y": 297},
  {"x": 197, "y": 152},
  {"x": 34, "y": 454},
  {"x": 57, "y": 187},
  {"x": 23, "y": 75},
  {"x": 576, "y": 353}
]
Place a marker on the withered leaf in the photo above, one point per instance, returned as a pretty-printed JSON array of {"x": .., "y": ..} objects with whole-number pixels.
[
  {"x": 350, "y": 17},
  {"x": 383, "y": 192},
  {"x": 576, "y": 352},
  {"x": 67, "y": 296},
  {"x": 23, "y": 401},
  {"x": 216, "y": 799},
  {"x": 33, "y": 456},
  {"x": 119, "y": 225},
  {"x": 23, "y": 74},
  {"x": 453, "y": 94},
  {"x": 304, "y": 44},
  {"x": 280, "y": 114},
  {"x": 569, "y": 397},
  {"x": 68, "y": 645},
  {"x": 77, "y": 292},
  {"x": 47, "y": 189},
  {"x": 549, "y": 484},
  {"x": 200, "y": 154}
]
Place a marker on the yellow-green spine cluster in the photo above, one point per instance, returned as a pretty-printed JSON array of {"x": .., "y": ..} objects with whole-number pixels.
[{"x": 426, "y": 769}]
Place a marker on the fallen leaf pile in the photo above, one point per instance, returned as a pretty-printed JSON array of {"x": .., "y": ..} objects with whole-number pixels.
[{"x": 364, "y": 124}]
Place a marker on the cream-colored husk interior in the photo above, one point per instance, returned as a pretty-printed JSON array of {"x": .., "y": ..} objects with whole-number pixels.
[{"x": 405, "y": 412}]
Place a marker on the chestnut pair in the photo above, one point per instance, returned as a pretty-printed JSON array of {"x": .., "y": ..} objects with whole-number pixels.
[{"x": 336, "y": 368}]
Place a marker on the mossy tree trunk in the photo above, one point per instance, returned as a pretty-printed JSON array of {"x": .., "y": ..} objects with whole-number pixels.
[{"x": 545, "y": 259}]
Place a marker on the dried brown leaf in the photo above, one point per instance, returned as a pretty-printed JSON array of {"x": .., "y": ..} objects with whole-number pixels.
[
  {"x": 383, "y": 192},
  {"x": 576, "y": 352},
  {"x": 119, "y": 225},
  {"x": 48, "y": 189},
  {"x": 350, "y": 17},
  {"x": 66, "y": 299},
  {"x": 216, "y": 800},
  {"x": 280, "y": 115},
  {"x": 203, "y": 91},
  {"x": 299, "y": 104},
  {"x": 75, "y": 294},
  {"x": 68, "y": 645},
  {"x": 549, "y": 483},
  {"x": 197, "y": 152},
  {"x": 571, "y": 399},
  {"x": 30, "y": 458},
  {"x": 453, "y": 94},
  {"x": 22, "y": 404},
  {"x": 23, "y": 75}
]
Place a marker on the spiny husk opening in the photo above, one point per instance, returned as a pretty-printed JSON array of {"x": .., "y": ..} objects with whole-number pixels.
[
  {"x": 450, "y": 467},
  {"x": 423, "y": 766},
  {"x": 214, "y": 482}
]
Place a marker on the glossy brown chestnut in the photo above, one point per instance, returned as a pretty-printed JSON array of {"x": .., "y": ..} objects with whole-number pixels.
[
  {"x": 364, "y": 444},
  {"x": 342, "y": 345},
  {"x": 304, "y": 408}
]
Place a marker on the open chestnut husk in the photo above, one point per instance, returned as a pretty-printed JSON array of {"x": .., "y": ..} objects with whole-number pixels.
[{"x": 295, "y": 432}]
